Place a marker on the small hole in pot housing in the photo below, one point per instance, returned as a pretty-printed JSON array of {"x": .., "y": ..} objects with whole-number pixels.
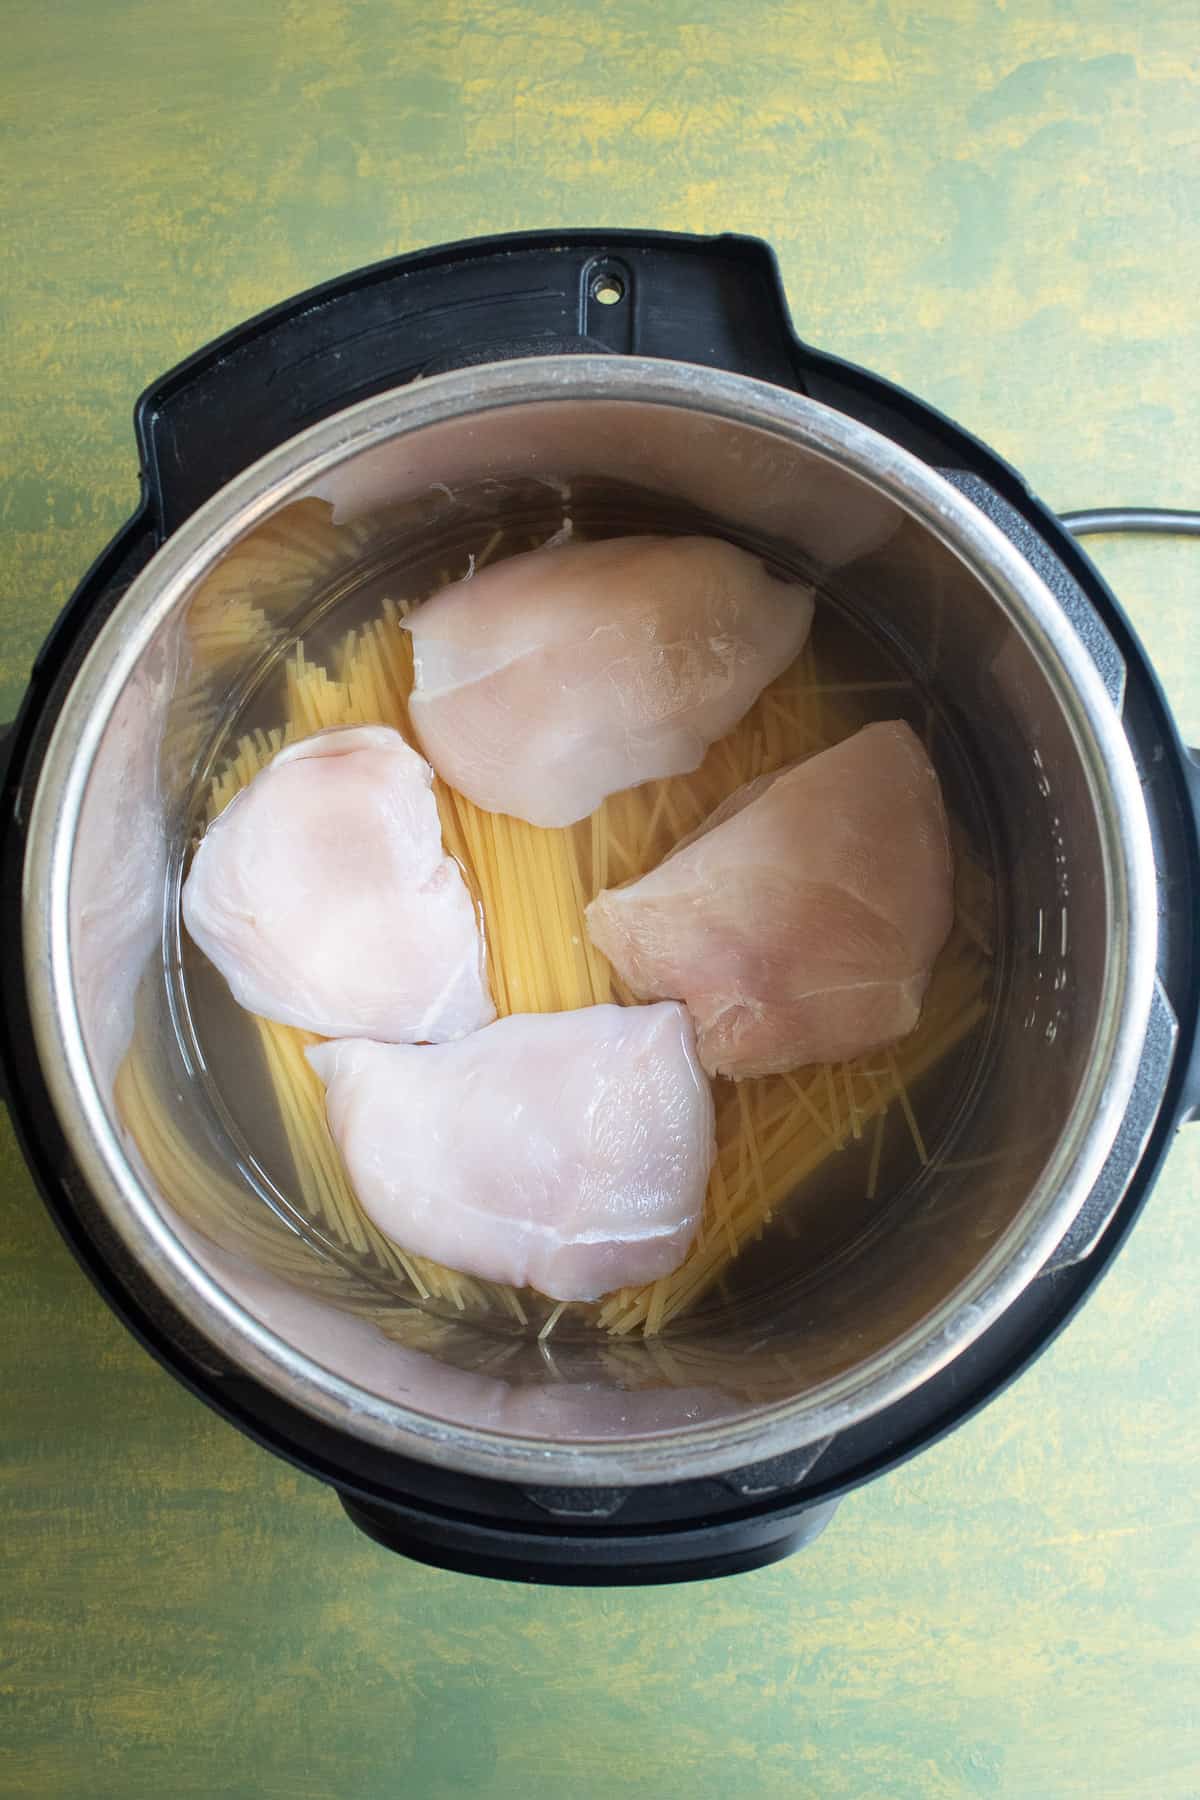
[{"x": 608, "y": 290}]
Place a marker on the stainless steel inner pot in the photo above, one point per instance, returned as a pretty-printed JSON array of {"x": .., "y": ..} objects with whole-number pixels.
[{"x": 1033, "y": 729}]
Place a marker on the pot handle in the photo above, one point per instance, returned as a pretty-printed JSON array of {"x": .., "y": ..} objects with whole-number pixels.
[
  {"x": 1141, "y": 1116},
  {"x": 1166, "y": 521},
  {"x": 1191, "y": 1080},
  {"x": 586, "y": 1557},
  {"x": 716, "y": 301}
]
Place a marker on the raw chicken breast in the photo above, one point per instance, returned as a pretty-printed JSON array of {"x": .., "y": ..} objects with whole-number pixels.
[
  {"x": 324, "y": 897},
  {"x": 566, "y": 1151},
  {"x": 801, "y": 922},
  {"x": 564, "y": 675}
]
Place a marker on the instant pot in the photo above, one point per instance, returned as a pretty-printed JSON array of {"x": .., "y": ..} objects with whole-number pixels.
[{"x": 397, "y": 412}]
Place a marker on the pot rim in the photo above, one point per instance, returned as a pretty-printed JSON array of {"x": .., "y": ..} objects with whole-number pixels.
[{"x": 1012, "y": 1261}]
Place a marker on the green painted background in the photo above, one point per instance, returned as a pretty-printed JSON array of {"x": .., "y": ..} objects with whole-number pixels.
[{"x": 997, "y": 205}]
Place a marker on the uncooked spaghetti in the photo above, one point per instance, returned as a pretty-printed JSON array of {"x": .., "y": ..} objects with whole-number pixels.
[{"x": 773, "y": 1133}]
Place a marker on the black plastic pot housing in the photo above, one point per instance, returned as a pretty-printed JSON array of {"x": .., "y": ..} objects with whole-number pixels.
[{"x": 717, "y": 302}]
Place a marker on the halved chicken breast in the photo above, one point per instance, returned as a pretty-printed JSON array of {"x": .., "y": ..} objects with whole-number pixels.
[
  {"x": 560, "y": 676},
  {"x": 324, "y": 897},
  {"x": 801, "y": 922},
  {"x": 566, "y": 1151}
]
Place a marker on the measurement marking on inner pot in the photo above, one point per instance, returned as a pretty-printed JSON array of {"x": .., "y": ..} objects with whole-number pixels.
[
  {"x": 1041, "y": 926},
  {"x": 1063, "y": 944}
]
